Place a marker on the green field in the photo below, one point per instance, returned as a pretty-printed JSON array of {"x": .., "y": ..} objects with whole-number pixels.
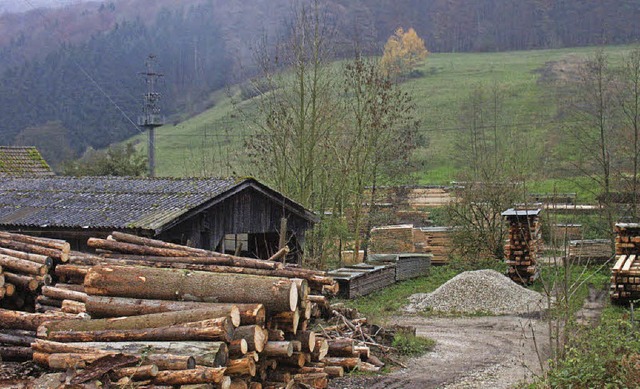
[{"x": 212, "y": 143}]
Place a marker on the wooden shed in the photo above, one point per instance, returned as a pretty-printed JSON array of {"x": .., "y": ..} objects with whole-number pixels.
[{"x": 227, "y": 215}]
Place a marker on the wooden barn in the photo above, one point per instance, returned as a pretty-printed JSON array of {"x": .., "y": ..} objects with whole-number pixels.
[{"x": 229, "y": 215}]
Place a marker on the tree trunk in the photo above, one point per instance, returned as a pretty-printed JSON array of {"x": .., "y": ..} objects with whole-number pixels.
[
  {"x": 72, "y": 273},
  {"x": 199, "y": 375},
  {"x": 74, "y": 307},
  {"x": 346, "y": 362},
  {"x": 314, "y": 380},
  {"x": 35, "y": 249},
  {"x": 205, "y": 353},
  {"x": 242, "y": 366},
  {"x": 237, "y": 348},
  {"x": 295, "y": 360},
  {"x": 321, "y": 350},
  {"x": 139, "y": 240},
  {"x": 28, "y": 321},
  {"x": 307, "y": 339},
  {"x": 154, "y": 320},
  {"x": 41, "y": 259},
  {"x": 136, "y": 373},
  {"x": 278, "y": 349},
  {"x": 25, "y": 282},
  {"x": 103, "y": 306},
  {"x": 15, "y": 353},
  {"x": 286, "y": 321},
  {"x": 252, "y": 314},
  {"x": 254, "y": 336},
  {"x": 334, "y": 371},
  {"x": 170, "y": 284},
  {"x": 57, "y": 244},
  {"x": 16, "y": 339},
  {"x": 190, "y": 261},
  {"x": 22, "y": 266},
  {"x": 64, "y": 361},
  {"x": 215, "y": 329},
  {"x": 63, "y": 294},
  {"x": 342, "y": 347}
]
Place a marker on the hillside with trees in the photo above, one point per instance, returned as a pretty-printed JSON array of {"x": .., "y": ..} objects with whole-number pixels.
[{"x": 78, "y": 66}]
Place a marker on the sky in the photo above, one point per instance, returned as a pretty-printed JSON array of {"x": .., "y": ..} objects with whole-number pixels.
[{"x": 26, "y": 5}]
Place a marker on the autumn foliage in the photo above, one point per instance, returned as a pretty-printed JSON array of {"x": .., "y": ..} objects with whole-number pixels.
[{"x": 403, "y": 52}]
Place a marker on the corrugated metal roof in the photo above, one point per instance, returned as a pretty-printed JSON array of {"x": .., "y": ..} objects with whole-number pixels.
[
  {"x": 22, "y": 161},
  {"x": 103, "y": 202}
]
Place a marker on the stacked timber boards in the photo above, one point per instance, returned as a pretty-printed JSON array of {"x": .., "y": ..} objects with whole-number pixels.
[
  {"x": 407, "y": 266},
  {"x": 438, "y": 242},
  {"x": 589, "y": 251},
  {"x": 362, "y": 279},
  {"x": 625, "y": 273},
  {"x": 524, "y": 241},
  {"x": 625, "y": 279}
]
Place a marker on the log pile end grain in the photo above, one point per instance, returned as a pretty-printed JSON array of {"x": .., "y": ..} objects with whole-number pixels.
[{"x": 189, "y": 316}]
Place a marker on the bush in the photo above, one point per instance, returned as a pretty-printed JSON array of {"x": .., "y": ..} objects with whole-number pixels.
[{"x": 603, "y": 357}]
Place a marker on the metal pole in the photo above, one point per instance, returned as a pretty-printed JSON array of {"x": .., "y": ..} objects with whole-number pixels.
[{"x": 152, "y": 151}]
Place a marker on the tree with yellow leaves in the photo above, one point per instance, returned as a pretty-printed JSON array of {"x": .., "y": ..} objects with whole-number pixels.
[{"x": 402, "y": 52}]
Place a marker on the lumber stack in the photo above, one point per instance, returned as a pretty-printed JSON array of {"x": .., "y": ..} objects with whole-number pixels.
[
  {"x": 392, "y": 239},
  {"x": 362, "y": 279},
  {"x": 625, "y": 273},
  {"x": 589, "y": 251},
  {"x": 406, "y": 266},
  {"x": 524, "y": 241},
  {"x": 438, "y": 241}
]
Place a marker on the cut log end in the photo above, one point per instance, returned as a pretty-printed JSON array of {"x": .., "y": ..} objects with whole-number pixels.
[{"x": 293, "y": 297}]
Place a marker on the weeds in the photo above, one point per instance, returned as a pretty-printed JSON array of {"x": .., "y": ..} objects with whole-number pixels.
[{"x": 411, "y": 345}]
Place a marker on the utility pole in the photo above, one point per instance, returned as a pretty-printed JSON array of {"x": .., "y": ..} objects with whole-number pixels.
[{"x": 151, "y": 118}]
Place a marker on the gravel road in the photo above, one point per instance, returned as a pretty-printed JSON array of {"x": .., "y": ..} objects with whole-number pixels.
[{"x": 471, "y": 352}]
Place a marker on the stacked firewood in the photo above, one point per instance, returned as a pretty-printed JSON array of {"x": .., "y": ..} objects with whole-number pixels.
[
  {"x": 165, "y": 314},
  {"x": 625, "y": 273},
  {"x": 524, "y": 241}
]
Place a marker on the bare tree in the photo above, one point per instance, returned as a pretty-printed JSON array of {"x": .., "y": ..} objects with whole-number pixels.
[
  {"x": 629, "y": 102},
  {"x": 379, "y": 137}
]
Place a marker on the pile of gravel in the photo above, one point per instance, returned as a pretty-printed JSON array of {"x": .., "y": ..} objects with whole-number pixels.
[{"x": 480, "y": 291}]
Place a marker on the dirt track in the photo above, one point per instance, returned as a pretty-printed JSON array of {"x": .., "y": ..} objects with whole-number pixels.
[{"x": 471, "y": 352}]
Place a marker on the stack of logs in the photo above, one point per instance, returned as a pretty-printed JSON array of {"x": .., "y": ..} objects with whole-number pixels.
[
  {"x": 25, "y": 264},
  {"x": 165, "y": 315},
  {"x": 524, "y": 241},
  {"x": 625, "y": 273}
]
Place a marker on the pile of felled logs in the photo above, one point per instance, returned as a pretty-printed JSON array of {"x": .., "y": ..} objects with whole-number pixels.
[
  {"x": 164, "y": 314},
  {"x": 25, "y": 264},
  {"x": 524, "y": 242}
]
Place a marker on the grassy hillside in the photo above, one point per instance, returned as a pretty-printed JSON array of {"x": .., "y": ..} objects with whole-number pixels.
[{"x": 213, "y": 143}]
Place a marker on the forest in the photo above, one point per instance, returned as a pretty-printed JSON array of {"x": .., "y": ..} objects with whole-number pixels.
[{"x": 71, "y": 74}]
